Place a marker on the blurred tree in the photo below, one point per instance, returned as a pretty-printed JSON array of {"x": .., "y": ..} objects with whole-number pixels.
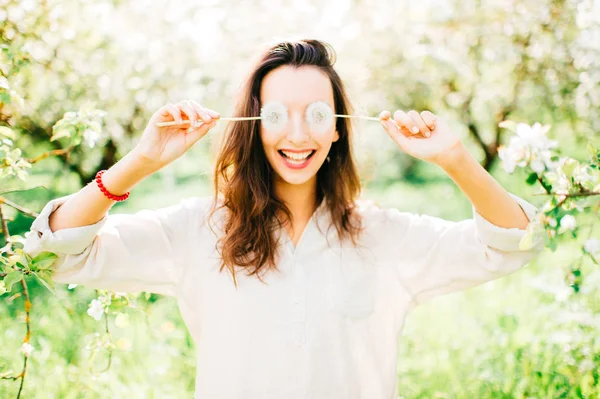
[
  {"x": 479, "y": 62},
  {"x": 486, "y": 61},
  {"x": 89, "y": 53}
]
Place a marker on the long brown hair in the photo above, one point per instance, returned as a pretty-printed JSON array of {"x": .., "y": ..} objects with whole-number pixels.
[{"x": 243, "y": 177}]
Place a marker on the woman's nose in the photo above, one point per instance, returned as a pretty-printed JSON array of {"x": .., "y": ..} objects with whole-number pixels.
[{"x": 298, "y": 132}]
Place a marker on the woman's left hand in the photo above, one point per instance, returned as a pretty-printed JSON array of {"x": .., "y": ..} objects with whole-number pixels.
[{"x": 421, "y": 135}]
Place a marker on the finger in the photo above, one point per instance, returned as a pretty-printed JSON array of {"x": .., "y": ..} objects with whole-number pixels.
[
  {"x": 203, "y": 112},
  {"x": 414, "y": 115},
  {"x": 196, "y": 134},
  {"x": 383, "y": 115},
  {"x": 429, "y": 118},
  {"x": 188, "y": 110},
  {"x": 172, "y": 110},
  {"x": 197, "y": 107},
  {"x": 406, "y": 124},
  {"x": 392, "y": 129}
]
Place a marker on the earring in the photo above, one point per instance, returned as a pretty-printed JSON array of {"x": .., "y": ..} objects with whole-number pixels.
[{"x": 328, "y": 159}]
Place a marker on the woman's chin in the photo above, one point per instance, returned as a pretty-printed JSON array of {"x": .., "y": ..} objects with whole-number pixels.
[{"x": 297, "y": 178}]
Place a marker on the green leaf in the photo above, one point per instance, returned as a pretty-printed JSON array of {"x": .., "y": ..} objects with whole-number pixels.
[
  {"x": 118, "y": 303},
  {"x": 569, "y": 166},
  {"x": 575, "y": 287},
  {"x": 594, "y": 153},
  {"x": 550, "y": 243},
  {"x": 5, "y": 97},
  {"x": 532, "y": 178},
  {"x": 45, "y": 278},
  {"x": 63, "y": 131},
  {"x": 7, "y": 132},
  {"x": 44, "y": 260},
  {"x": 11, "y": 278},
  {"x": 510, "y": 125},
  {"x": 76, "y": 140}
]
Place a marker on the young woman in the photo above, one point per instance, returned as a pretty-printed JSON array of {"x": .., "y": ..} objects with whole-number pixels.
[{"x": 290, "y": 286}]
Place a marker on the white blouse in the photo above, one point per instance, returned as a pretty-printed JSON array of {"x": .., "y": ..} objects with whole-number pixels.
[{"x": 325, "y": 326}]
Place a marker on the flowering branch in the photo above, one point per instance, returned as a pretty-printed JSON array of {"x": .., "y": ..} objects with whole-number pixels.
[
  {"x": 571, "y": 185},
  {"x": 26, "y": 347},
  {"x": 18, "y": 207}
]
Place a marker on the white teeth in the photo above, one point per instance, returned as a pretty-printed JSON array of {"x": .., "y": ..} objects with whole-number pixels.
[
  {"x": 296, "y": 162},
  {"x": 299, "y": 156}
]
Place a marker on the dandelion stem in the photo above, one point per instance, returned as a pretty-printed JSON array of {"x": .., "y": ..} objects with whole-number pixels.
[
  {"x": 369, "y": 118},
  {"x": 254, "y": 118}
]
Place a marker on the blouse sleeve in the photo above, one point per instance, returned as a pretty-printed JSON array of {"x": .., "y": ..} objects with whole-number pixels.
[
  {"x": 144, "y": 251},
  {"x": 436, "y": 256}
]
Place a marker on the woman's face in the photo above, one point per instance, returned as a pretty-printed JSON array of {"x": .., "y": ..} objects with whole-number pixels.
[{"x": 295, "y": 150}]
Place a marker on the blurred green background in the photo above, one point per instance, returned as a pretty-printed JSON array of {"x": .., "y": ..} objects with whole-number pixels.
[{"x": 474, "y": 63}]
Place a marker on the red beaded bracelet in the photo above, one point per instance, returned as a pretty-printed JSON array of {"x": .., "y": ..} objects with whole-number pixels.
[{"x": 111, "y": 196}]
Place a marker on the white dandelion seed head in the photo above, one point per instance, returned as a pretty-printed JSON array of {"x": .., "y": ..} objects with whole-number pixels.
[
  {"x": 319, "y": 116},
  {"x": 274, "y": 116}
]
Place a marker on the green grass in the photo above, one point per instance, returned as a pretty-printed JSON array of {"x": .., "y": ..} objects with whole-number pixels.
[{"x": 524, "y": 336}]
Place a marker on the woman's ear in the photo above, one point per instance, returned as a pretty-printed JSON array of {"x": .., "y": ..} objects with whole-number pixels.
[{"x": 336, "y": 137}]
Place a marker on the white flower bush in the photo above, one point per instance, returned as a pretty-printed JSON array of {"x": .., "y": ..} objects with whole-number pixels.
[{"x": 571, "y": 186}]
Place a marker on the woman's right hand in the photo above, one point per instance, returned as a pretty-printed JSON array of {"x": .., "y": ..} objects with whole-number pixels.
[{"x": 160, "y": 146}]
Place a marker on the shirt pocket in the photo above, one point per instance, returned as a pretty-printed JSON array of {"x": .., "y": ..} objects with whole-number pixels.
[{"x": 352, "y": 283}]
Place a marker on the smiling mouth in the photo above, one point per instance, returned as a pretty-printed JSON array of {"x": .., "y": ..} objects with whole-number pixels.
[{"x": 296, "y": 158}]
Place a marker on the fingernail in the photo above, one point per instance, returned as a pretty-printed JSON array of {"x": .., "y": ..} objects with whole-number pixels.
[
  {"x": 427, "y": 134},
  {"x": 415, "y": 129},
  {"x": 189, "y": 130}
]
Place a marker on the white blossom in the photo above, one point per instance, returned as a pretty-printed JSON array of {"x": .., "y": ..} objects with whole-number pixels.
[
  {"x": 91, "y": 137},
  {"x": 96, "y": 309},
  {"x": 71, "y": 286},
  {"x": 582, "y": 175},
  {"x": 507, "y": 156},
  {"x": 538, "y": 165},
  {"x": 568, "y": 222},
  {"x": 562, "y": 185},
  {"x": 535, "y": 136},
  {"x": 530, "y": 146},
  {"x": 592, "y": 246},
  {"x": 4, "y": 83},
  {"x": 512, "y": 156},
  {"x": 546, "y": 156},
  {"x": 26, "y": 348},
  {"x": 105, "y": 299}
]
